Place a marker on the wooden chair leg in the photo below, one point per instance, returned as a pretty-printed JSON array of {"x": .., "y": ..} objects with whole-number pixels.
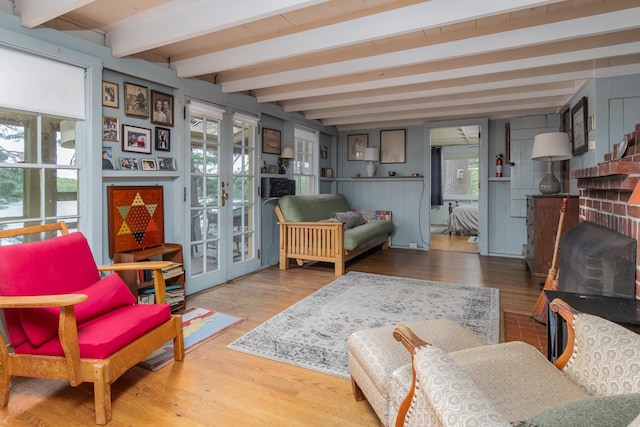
[
  {"x": 102, "y": 393},
  {"x": 358, "y": 395},
  {"x": 178, "y": 343},
  {"x": 5, "y": 377}
]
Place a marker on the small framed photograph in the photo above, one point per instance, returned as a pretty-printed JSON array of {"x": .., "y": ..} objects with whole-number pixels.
[
  {"x": 128, "y": 164},
  {"x": 163, "y": 139},
  {"x": 392, "y": 146},
  {"x": 166, "y": 163},
  {"x": 271, "y": 140},
  {"x": 579, "y": 131},
  {"x": 107, "y": 157},
  {"x": 110, "y": 95},
  {"x": 162, "y": 108},
  {"x": 356, "y": 145},
  {"x": 328, "y": 172},
  {"x": 149, "y": 164},
  {"x": 110, "y": 129},
  {"x": 136, "y": 140},
  {"x": 324, "y": 152},
  {"x": 136, "y": 101}
]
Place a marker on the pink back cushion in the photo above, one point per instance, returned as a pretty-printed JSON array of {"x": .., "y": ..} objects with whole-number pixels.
[
  {"x": 108, "y": 294},
  {"x": 59, "y": 265}
]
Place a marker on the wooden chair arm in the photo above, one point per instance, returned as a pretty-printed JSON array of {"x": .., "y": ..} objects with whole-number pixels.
[
  {"x": 38, "y": 301},
  {"x": 408, "y": 338},
  {"x": 567, "y": 312},
  {"x": 412, "y": 342},
  {"x": 67, "y": 325},
  {"x": 142, "y": 265},
  {"x": 159, "y": 284}
]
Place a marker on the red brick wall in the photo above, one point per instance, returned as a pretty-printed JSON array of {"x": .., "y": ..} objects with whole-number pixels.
[{"x": 605, "y": 190}]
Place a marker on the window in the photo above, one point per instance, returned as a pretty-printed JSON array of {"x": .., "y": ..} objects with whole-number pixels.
[
  {"x": 461, "y": 173},
  {"x": 38, "y": 175},
  {"x": 304, "y": 161}
]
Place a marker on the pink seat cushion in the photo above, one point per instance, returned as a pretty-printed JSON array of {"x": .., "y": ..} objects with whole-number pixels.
[
  {"x": 59, "y": 265},
  {"x": 41, "y": 324},
  {"x": 101, "y": 337}
]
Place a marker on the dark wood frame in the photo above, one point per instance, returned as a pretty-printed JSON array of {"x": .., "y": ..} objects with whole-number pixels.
[
  {"x": 116, "y": 95},
  {"x": 131, "y": 102},
  {"x": 157, "y": 139},
  {"x": 579, "y": 129},
  {"x": 106, "y": 130},
  {"x": 354, "y": 150},
  {"x": 159, "y": 96},
  {"x": 391, "y": 145},
  {"x": 271, "y": 141}
]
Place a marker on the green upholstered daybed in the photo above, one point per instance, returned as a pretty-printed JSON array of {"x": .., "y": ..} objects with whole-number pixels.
[{"x": 325, "y": 228}]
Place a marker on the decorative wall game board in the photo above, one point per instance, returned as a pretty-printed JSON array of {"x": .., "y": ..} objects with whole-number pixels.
[{"x": 136, "y": 217}]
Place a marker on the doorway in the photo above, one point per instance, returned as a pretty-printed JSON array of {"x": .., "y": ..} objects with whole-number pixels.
[
  {"x": 454, "y": 215},
  {"x": 221, "y": 194}
]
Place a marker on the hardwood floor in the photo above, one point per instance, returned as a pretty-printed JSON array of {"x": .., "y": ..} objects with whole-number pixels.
[{"x": 216, "y": 386}]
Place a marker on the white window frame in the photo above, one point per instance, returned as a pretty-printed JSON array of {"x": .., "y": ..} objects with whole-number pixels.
[{"x": 306, "y": 152}]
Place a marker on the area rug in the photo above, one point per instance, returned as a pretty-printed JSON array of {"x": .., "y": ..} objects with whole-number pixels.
[
  {"x": 199, "y": 325},
  {"x": 313, "y": 332}
]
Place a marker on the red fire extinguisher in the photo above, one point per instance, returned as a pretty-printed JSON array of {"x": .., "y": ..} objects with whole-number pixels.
[{"x": 499, "y": 163}]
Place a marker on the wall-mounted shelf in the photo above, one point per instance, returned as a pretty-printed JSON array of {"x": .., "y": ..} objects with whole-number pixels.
[
  {"x": 504, "y": 178},
  {"x": 382, "y": 178},
  {"x": 114, "y": 175}
]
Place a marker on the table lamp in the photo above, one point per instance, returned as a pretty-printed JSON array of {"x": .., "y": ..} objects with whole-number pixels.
[
  {"x": 371, "y": 155},
  {"x": 283, "y": 160},
  {"x": 549, "y": 147}
]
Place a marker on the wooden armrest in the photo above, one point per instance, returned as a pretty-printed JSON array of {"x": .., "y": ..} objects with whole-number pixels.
[
  {"x": 143, "y": 265},
  {"x": 37, "y": 301},
  {"x": 313, "y": 223},
  {"x": 567, "y": 312},
  {"x": 412, "y": 342},
  {"x": 408, "y": 338}
]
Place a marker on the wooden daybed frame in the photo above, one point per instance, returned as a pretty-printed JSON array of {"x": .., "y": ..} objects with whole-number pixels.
[{"x": 319, "y": 241}]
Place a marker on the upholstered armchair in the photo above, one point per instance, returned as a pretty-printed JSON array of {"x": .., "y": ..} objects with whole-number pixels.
[
  {"x": 596, "y": 380},
  {"x": 63, "y": 321}
]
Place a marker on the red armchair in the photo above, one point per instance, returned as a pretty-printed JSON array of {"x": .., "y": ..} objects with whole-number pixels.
[{"x": 63, "y": 321}]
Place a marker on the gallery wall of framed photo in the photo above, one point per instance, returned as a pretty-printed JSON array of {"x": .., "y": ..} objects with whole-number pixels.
[{"x": 137, "y": 125}]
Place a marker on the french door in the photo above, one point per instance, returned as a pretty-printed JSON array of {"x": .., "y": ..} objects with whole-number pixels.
[{"x": 221, "y": 195}]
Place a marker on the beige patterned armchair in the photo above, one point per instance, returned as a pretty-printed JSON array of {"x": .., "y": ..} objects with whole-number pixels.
[{"x": 596, "y": 380}]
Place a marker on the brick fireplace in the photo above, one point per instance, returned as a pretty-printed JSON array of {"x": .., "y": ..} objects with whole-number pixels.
[{"x": 605, "y": 190}]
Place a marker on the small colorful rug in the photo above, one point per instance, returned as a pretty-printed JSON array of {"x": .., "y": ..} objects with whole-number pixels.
[{"x": 199, "y": 325}]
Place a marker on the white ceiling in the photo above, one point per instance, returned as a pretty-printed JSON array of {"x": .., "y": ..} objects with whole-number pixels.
[{"x": 359, "y": 64}]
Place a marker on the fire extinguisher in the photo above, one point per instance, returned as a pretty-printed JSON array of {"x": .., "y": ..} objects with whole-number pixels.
[{"x": 499, "y": 163}]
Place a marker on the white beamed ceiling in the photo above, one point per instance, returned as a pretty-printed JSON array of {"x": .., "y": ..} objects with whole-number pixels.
[{"x": 359, "y": 64}]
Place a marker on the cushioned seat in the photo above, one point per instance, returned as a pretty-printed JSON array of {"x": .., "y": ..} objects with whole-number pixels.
[
  {"x": 100, "y": 338},
  {"x": 374, "y": 356}
]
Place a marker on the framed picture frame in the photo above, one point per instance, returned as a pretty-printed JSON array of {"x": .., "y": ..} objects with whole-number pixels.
[
  {"x": 136, "y": 140},
  {"x": 166, "y": 163},
  {"x": 107, "y": 157},
  {"x": 356, "y": 145},
  {"x": 161, "y": 108},
  {"x": 136, "y": 99},
  {"x": 271, "y": 141},
  {"x": 128, "y": 164},
  {"x": 148, "y": 164},
  {"x": 579, "y": 131},
  {"x": 324, "y": 152},
  {"x": 163, "y": 139},
  {"x": 328, "y": 172},
  {"x": 110, "y": 129},
  {"x": 393, "y": 145},
  {"x": 110, "y": 95}
]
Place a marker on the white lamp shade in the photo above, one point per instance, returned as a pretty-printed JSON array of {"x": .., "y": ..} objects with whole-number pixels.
[
  {"x": 551, "y": 146},
  {"x": 371, "y": 154},
  {"x": 68, "y": 134},
  {"x": 287, "y": 153}
]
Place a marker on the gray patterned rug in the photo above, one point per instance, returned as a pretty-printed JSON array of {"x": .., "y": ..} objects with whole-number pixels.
[{"x": 313, "y": 332}]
